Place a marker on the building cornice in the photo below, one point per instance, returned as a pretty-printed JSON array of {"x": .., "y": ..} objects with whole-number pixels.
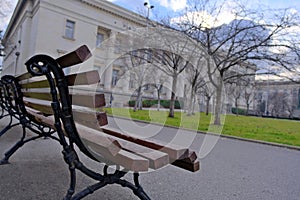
[
  {"x": 117, "y": 11},
  {"x": 16, "y": 14}
]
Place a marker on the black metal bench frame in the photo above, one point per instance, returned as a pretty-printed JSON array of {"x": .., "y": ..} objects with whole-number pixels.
[{"x": 42, "y": 65}]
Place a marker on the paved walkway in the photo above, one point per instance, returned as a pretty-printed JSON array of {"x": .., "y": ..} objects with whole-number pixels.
[{"x": 234, "y": 170}]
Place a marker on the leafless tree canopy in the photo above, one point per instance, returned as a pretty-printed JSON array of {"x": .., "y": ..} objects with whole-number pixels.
[{"x": 255, "y": 41}]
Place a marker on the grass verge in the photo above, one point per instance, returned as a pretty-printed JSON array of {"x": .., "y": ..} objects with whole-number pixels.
[{"x": 271, "y": 130}]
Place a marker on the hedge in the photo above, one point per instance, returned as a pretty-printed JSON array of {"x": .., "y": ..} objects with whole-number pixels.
[
  {"x": 163, "y": 103},
  {"x": 239, "y": 111}
]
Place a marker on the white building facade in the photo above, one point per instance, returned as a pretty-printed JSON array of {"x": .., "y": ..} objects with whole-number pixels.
[{"x": 54, "y": 27}]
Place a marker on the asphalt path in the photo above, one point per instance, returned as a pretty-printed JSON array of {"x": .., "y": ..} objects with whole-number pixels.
[{"x": 233, "y": 170}]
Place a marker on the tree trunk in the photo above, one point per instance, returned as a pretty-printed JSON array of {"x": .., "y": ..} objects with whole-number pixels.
[
  {"x": 247, "y": 111},
  {"x": 140, "y": 103},
  {"x": 193, "y": 105},
  {"x": 218, "y": 108},
  {"x": 207, "y": 105},
  {"x": 137, "y": 100},
  {"x": 173, "y": 95},
  {"x": 190, "y": 104},
  {"x": 236, "y": 107},
  {"x": 158, "y": 99}
]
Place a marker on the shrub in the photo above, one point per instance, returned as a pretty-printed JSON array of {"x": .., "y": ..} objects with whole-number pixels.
[
  {"x": 239, "y": 111},
  {"x": 163, "y": 103}
]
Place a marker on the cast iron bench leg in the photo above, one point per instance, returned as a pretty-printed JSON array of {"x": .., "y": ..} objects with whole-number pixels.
[
  {"x": 18, "y": 145},
  {"x": 9, "y": 126}
]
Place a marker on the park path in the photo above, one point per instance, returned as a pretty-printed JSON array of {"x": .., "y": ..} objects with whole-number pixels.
[{"x": 233, "y": 170}]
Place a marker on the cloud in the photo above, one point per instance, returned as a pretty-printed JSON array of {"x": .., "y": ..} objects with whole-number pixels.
[
  {"x": 6, "y": 10},
  {"x": 206, "y": 19},
  {"x": 218, "y": 14},
  {"x": 174, "y": 5}
]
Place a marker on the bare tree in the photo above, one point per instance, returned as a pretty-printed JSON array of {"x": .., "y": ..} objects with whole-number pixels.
[
  {"x": 172, "y": 52},
  {"x": 208, "y": 94},
  {"x": 250, "y": 37},
  {"x": 234, "y": 91},
  {"x": 173, "y": 65},
  {"x": 157, "y": 81},
  {"x": 196, "y": 81},
  {"x": 138, "y": 71}
]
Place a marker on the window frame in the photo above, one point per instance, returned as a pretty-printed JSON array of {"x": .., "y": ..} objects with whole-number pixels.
[
  {"x": 69, "y": 30},
  {"x": 114, "y": 77}
]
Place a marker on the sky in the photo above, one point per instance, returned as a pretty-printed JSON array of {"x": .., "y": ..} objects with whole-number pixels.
[
  {"x": 164, "y": 8},
  {"x": 167, "y": 8}
]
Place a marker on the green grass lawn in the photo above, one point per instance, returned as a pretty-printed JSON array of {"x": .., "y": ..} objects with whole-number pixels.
[{"x": 271, "y": 130}]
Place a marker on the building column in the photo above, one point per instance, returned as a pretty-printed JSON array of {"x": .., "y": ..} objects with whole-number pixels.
[{"x": 110, "y": 56}]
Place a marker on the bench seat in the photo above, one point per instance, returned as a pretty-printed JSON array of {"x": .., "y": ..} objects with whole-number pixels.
[{"x": 51, "y": 101}]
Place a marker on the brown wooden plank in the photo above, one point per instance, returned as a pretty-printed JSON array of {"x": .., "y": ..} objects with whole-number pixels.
[
  {"x": 124, "y": 158},
  {"x": 190, "y": 166},
  {"x": 103, "y": 148},
  {"x": 192, "y": 156},
  {"x": 157, "y": 159},
  {"x": 24, "y": 76},
  {"x": 105, "y": 144},
  {"x": 91, "y": 100},
  {"x": 91, "y": 119},
  {"x": 40, "y": 106},
  {"x": 187, "y": 161},
  {"x": 84, "y": 78},
  {"x": 75, "y": 57},
  {"x": 38, "y": 95},
  {"x": 174, "y": 151},
  {"x": 35, "y": 84},
  {"x": 87, "y": 117}
]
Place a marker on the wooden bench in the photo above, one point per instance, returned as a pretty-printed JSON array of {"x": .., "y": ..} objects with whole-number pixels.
[{"x": 46, "y": 100}]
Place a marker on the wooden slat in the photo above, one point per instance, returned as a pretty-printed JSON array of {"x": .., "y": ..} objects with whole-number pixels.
[
  {"x": 102, "y": 147},
  {"x": 124, "y": 158},
  {"x": 75, "y": 57},
  {"x": 187, "y": 165},
  {"x": 179, "y": 157},
  {"x": 91, "y": 100},
  {"x": 85, "y": 99},
  {"x": 174, "y": 151},
  {"x": 41, "y": 107},
  {"x": 35, "y": 84},
  {"x": 24, "y": 76},
  {"x": 38, "y": 95},
  {"x": 157, "y": 159},
  {"x": 90, "y": 118},
  {"x": 84, "y": 78},
  {"x": 110, "y": 146},
  {"x": 87, "y": 117}
]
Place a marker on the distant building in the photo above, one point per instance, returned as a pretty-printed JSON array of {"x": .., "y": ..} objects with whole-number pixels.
[{"x": 278, "y": 98}]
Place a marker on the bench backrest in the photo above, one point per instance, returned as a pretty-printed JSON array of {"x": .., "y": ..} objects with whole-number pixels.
[
  {"x": 46, "y": 95},
  {"x": 44, "y": 92}
]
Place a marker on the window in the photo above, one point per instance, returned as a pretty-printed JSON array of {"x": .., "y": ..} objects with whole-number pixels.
[
  {"x": 149, "y": 55},
  {"x": 99, "y": 39},
  {"x": 146, "y": 87},
  {"x": 115, "y": 77},
  {"x": 70, "y": 29},
  {"x": 131, "y": 81}
]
